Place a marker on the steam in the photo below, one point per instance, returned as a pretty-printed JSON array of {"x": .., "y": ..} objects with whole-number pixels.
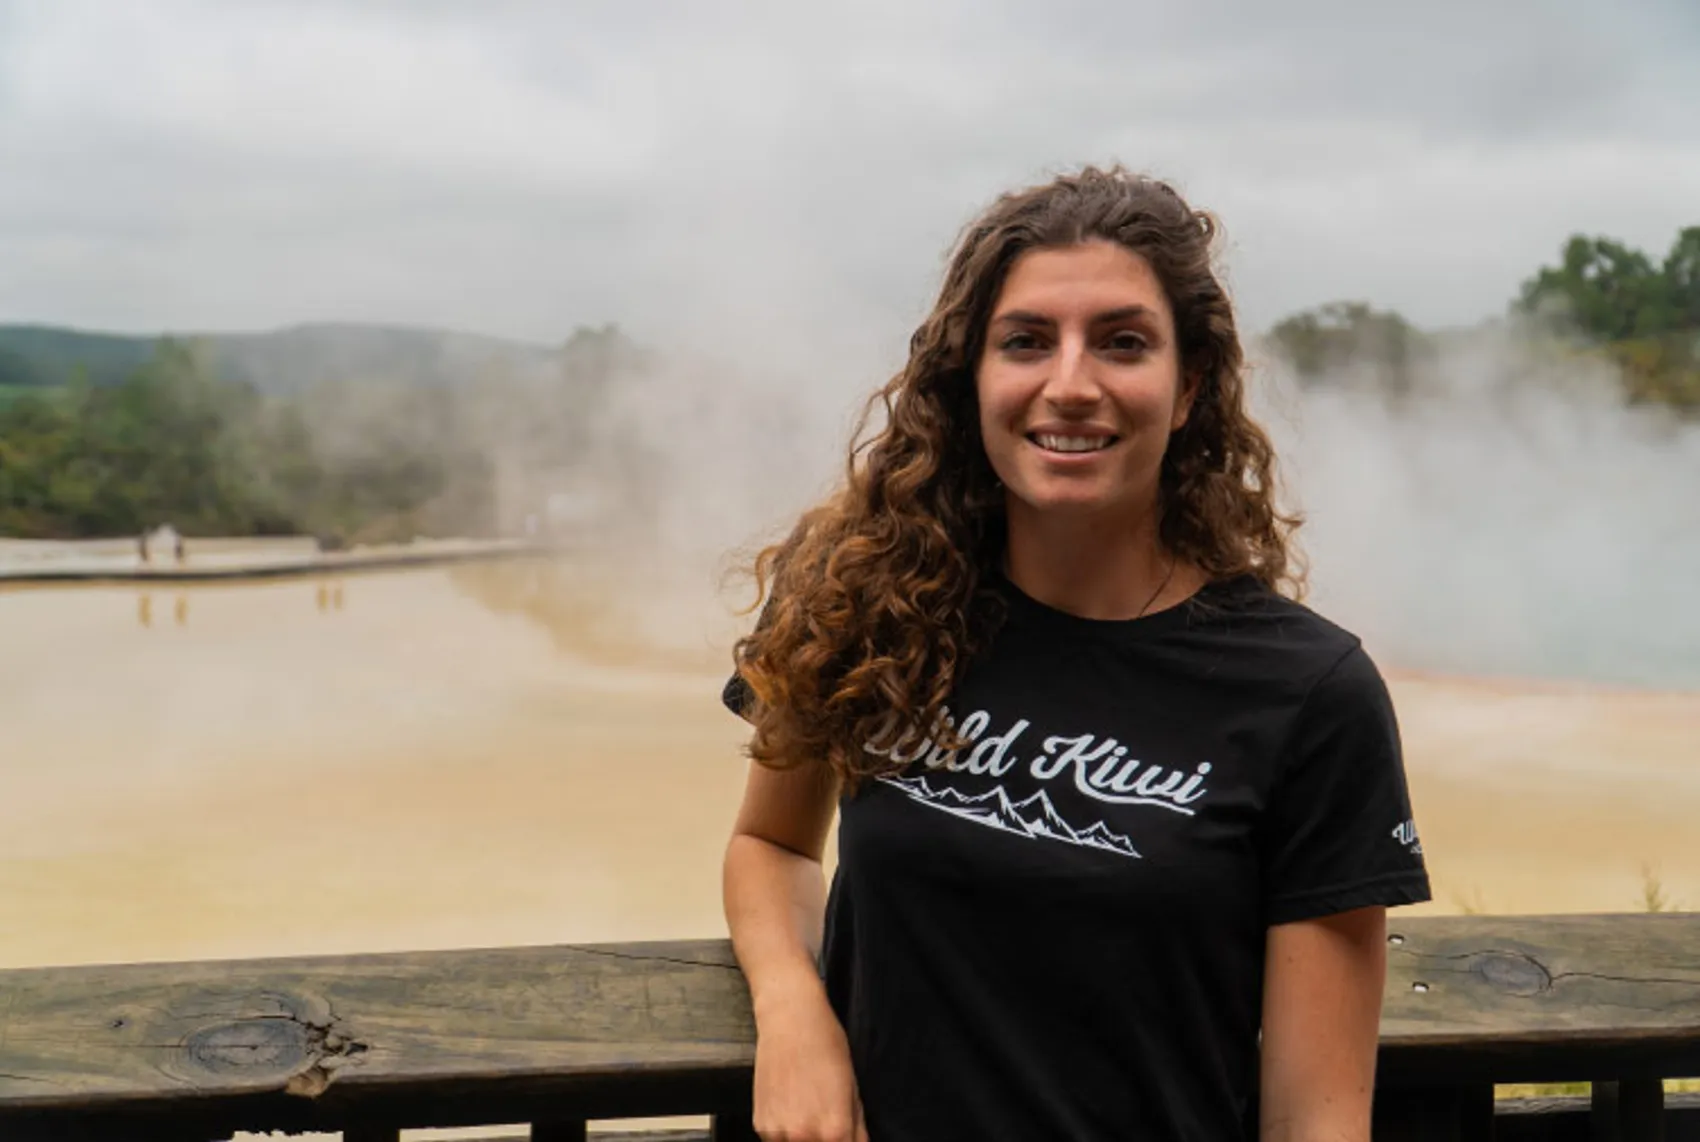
[
  {"x": 1504, "y": 514},
  {"x": 1511, "y": 518},
  {"x": 716, "y": 460}
]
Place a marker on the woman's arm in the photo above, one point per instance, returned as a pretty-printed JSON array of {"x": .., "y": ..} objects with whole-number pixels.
[
  {"x": 1322, "y": 991},
  {"x": 774, "y": 889},
  {"x": 805, "y": 1089}
]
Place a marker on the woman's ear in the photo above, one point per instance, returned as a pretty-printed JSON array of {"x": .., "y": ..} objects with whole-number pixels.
[{"x": 1191, "y": 383}]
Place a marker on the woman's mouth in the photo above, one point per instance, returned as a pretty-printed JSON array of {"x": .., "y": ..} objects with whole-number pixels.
[{"x": 1053, "y": 442}]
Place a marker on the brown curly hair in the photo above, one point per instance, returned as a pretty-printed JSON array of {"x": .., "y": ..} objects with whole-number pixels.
[{"x": 882, "y": 595}]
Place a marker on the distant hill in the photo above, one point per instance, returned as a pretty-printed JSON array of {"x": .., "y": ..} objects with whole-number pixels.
[
  {"x": 282, "y": 360},
  {"x": 40, "y": 355}
]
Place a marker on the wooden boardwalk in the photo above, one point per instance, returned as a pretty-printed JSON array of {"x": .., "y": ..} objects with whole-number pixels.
[
  {"x": 330, "y": 563},
  {"x": 558, "y": 1036}
]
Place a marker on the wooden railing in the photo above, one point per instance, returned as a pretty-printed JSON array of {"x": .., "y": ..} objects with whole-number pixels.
[{"x": 560, "y": 1036}]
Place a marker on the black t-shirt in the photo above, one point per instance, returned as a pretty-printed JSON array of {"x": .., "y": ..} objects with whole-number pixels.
[{"x": 1058, "y": 932}]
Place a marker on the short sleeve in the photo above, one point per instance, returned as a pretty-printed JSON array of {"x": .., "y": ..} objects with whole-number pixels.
[
  {"x": 1339, "y": 833},
  {"x": 736, "y": 696}
]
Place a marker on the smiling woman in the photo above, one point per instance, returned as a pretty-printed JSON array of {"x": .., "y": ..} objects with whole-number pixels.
[
  {"x": 1119, "y": 818},
  {"x": 1080, "y": 387}
]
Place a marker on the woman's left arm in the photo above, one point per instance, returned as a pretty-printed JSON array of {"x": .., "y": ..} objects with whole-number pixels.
[{"x": 1322, "y": 991}]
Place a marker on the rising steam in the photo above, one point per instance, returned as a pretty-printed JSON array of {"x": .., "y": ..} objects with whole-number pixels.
[{"x": 1510, "y": 516}]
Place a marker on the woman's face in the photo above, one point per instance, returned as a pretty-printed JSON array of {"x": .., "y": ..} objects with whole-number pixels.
[{"x": 1080, "y": 382}]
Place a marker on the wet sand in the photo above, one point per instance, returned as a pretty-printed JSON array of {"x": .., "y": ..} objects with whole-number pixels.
[{"x": 491, "y": 755}]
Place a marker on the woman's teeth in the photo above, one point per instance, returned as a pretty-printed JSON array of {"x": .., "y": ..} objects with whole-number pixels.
[{"x": 1072, "y": 443}]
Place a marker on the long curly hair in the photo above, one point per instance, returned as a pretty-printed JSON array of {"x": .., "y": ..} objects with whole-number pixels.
[{"x": 882, "y": 595}]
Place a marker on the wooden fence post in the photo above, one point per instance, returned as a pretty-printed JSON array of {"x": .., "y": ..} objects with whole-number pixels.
[
  {"x": 1628, "y": 1110},
  {"x": 735, "y": 1126},
  {"x": 1461, "y": 1113},
  {"x": 372, "y": 1134}
]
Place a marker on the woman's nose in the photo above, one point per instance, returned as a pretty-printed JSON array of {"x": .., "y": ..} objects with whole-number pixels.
[{"x": 1072, "y": 380}]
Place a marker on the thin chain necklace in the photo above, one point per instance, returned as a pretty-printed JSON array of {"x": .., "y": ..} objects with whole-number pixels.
[
  {"x": 1170, "y": 574},
  {"x": 1167, "y": 575}
]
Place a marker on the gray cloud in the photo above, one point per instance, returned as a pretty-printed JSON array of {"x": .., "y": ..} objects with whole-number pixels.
[{"x": 794, "y": 172}]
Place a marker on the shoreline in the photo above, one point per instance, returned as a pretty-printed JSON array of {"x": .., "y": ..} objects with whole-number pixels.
[{"x": 433, "y": 553}]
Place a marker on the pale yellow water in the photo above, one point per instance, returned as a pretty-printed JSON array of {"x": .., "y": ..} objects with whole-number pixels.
[{"x": 508, "y": 753}]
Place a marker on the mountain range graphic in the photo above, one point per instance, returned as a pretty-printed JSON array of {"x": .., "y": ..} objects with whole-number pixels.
[{"x": 1034, "y": 817}]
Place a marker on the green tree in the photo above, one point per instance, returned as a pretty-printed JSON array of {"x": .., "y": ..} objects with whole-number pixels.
[
  {"x": 1644, "y": 318},
  {"x": 359, "y": 459},
  {"x": 1601, "y": 289},
  {"x": 1351, "y": 337},
  {"x": 35, "y": 435},
  {"x": 1681, "y": 283},
  {"x": 16, "y": 370}
]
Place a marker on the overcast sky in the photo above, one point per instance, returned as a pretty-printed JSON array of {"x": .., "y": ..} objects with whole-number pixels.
[{"x": 732, "y": 169}]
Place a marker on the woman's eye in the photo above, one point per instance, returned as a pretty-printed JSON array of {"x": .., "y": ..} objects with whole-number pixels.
[
  {"x": 1129, "y": 343},
  {"x": 1019, "y": 343}
]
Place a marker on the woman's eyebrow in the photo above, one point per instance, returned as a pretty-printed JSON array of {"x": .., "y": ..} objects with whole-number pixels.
[
  {"x": 1023, "y": 317},
  {"x": 1124, "y": 313}
]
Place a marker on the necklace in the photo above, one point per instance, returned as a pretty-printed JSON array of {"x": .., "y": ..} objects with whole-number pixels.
[{"x": 1170, "y": 574}]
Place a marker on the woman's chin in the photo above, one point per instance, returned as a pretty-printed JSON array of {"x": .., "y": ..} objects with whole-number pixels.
[{"x": 1067, "y": 503}]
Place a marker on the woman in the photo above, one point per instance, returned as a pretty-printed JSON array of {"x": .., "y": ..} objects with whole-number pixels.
[{"x": 1112, "y": 805}]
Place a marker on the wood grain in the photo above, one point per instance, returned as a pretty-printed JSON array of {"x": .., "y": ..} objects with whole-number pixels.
[
  {"x": 442, "y": 1038},
  {"x": 1541, "y": 999},
  {"x": 557, "y": 1035}
]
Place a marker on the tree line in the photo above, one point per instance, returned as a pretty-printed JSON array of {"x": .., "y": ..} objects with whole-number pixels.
[
  {"x": 366, "y": 459},
  {"x": 1603, "y": 300},
  {"x": 173, "y": 443},
  {"x": 374, "y": 459}
]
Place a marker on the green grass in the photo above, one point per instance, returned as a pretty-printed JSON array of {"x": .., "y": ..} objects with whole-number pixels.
[
  {"x": 1654, "y": 897},
  {"x": 1554, "y": 1090}
]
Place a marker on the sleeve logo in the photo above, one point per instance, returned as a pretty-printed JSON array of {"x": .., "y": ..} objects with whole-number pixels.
[{"x": 1405, "y": 832}]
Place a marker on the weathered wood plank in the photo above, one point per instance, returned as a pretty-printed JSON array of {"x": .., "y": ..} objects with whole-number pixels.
[
  {"x": 441, "y": 1038},
  {"x": 1541, "y": 999},
  {"x": 547, "y": 1034}
]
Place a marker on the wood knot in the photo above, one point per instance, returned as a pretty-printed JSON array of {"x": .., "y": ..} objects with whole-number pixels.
[
  {"x": 250, "y": 1046},
  {"x": 1512, "y": 973}
]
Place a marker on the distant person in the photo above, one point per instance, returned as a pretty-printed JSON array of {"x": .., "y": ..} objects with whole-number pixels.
[
  {"x": 1111, "y": 802},
  {"x": 142, "y": 548},
  {"x": 165, "y": 538}
]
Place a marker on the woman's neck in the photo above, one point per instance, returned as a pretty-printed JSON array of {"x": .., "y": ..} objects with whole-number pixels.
[{"x": 1096, "y": 567}]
